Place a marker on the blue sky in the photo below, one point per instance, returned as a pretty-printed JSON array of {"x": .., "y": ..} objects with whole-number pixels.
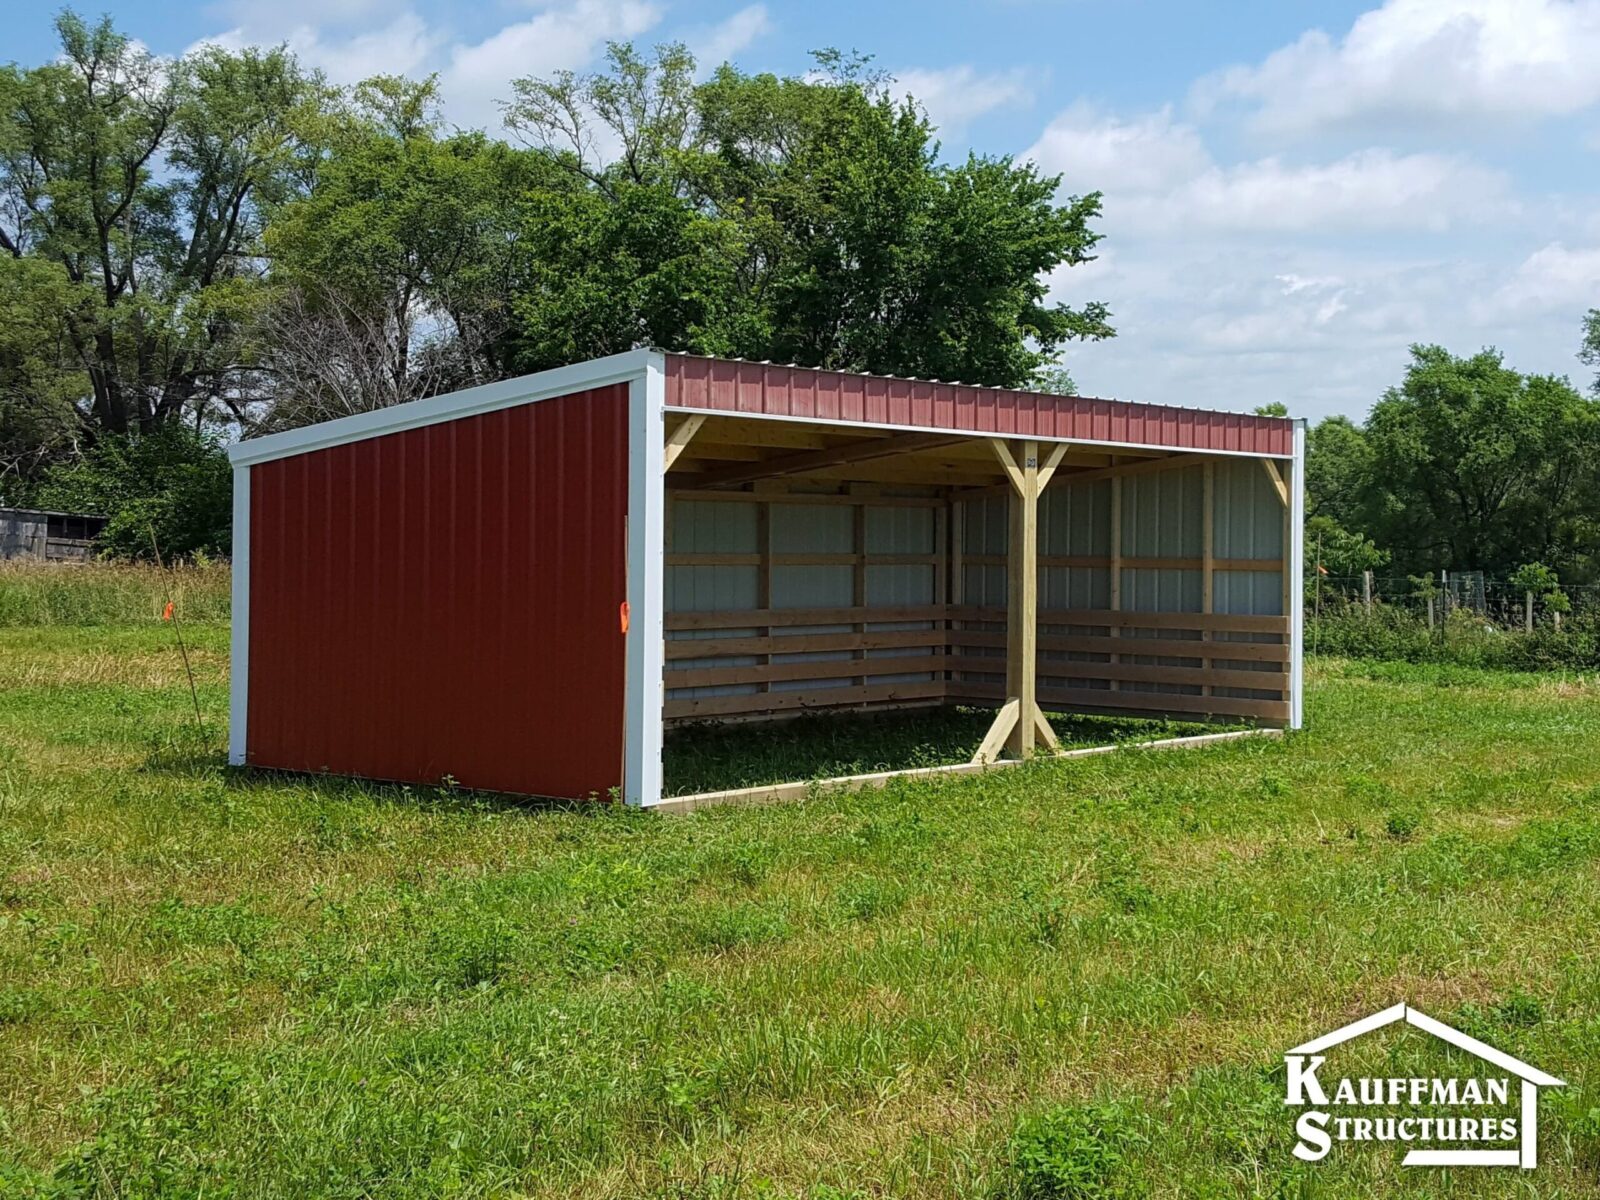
[{"x": 1294, "y": 191}]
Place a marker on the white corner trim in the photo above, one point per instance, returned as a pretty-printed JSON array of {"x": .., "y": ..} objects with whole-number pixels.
[
  {"x": 560, "y": 381},
  {"x": 239, "y": 644},
  {"x": 642, "y": 725},
  {"x": 1297, "y": 580}
]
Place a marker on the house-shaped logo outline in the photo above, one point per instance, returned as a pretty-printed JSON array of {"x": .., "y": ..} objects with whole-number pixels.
[{"x": 1527, "y": 1157}]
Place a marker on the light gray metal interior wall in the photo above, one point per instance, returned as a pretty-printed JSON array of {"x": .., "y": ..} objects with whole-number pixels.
[
  {"x": 1162, "y": 518},
  {"x": 797, "y": 528},
  {"x": 893, "y": 530},
  {"x": 812, "y": 529},
  {"x": 712, "y": 528},
  {"x": 1249, "y": 523}
]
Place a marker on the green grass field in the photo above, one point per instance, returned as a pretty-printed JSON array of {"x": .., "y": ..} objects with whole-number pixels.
[{"x": 219, "y": 985}]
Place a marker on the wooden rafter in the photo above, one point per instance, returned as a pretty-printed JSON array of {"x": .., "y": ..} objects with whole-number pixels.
[
  {"x": 1008, "y": 464},
  {"x": 862, "y": 450},
  {"x": 1145, "y": 467},
  {"x": 680, "y": 437},
  {"x": 1271, "y": 468},
  {"x": 776, "y": 435},
  {"x": 1051, "y": 461}
]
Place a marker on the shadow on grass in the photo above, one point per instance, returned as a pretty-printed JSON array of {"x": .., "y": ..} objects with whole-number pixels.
[
  {"x": 706, "y": 757},
  {"x": 191, "y": 754},
  {"x": 702, "y": 757}
]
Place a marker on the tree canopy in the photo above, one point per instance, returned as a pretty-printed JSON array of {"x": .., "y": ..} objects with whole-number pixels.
[
  {"x": 1467, "y": 464},
  {"x": 801, "y": 219},
  {"x": 224, "y": 243},
  {"x": 135, "y": 188}
]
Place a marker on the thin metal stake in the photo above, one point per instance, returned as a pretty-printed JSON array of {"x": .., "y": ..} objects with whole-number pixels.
[{"x": 166, "y": 577}]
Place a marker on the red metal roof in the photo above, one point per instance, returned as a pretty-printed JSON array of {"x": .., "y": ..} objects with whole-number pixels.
[{"x": 802, "y": 393}]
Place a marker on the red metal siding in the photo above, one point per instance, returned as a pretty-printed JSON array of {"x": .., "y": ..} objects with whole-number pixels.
[
  {"x": 747, "y": 387},
  {"x": 444, "y": 601}
]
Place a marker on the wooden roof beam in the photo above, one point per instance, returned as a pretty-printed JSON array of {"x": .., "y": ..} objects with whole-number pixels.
[
  {"x": 1146, "y": 467},
  {"x": 863, "y": 450}
]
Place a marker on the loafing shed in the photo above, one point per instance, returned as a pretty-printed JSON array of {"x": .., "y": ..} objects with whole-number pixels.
[{"x": 521, "y": 586}]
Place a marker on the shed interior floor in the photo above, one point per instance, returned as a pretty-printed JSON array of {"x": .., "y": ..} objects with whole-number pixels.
[{"x": 710, "y": 757}]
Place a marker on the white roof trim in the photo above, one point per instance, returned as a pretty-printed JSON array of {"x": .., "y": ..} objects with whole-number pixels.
[
  {"x": 1445, "y": 1033},
  {"x": 561, "y": 381},
  {"x": 843, "y": 424}
]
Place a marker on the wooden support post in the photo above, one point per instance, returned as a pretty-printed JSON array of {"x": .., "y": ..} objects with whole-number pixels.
[
  {"x": 1208, "y": 560},
  {"x": 994, "y": 741},
  {"x": 1116, "y": 562},
  {"x": 1282, "y": 489},
  {"x": 1366, "y": 590},
  {"x": 764, "y": 574},
  {"x": 941, "y": 578},
  {"x": 1052, "y": 460},
  {"x": 1022, "y": 602},
  {"x": 1020, "y": 724},
  {"x": 958, "y": 586},
  {"x": 858, "y": 572}
]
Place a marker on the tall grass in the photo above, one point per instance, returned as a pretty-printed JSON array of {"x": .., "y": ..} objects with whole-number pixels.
[
  {"x": 48, "y": 594},
  {"x": 1465, "y": 639}
]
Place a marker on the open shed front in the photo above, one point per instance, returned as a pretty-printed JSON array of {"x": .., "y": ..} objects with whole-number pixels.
[
  {"x": 820, "y": 564},
  {"x": 521, "y": 586}
]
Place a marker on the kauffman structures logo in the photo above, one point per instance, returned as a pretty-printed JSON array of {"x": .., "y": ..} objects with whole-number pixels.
[{"x": 1489, "y": 1118}]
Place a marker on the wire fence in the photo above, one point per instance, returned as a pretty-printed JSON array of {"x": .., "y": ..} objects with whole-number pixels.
[{"x": 1496, "y": 601}]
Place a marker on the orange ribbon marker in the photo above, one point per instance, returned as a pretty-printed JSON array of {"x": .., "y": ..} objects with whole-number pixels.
[
  {"x": 623, "y": 613},
  {"x": 166, "y": 613}
]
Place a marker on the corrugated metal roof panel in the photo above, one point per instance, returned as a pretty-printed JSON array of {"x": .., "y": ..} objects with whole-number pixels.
[{"x": 768, "y": 389}]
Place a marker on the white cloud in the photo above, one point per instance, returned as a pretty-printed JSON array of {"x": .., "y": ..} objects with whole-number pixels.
[
  {"x": 1235, "y": 283},
  {"x": 401, "y": 46},
  {"x": 1553, "y": 279},
  {"x": 1159, "y": 178},
  {"x": 1096, "y": 152},
  {"x": 1324, "y": 329},
  {"x": 1373, "y": 190},
  {"x": 1425, "y": 60},
  {"x": 720, "y": 43},
  {"x": 475, "y": 76},
  {"x": 954, "y": 97},
  {"x": 569, "y": 35}
]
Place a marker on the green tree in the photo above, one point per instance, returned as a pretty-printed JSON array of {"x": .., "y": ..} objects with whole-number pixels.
[
  {"x": 1589, "y": 349},
  {"x": 838, "y": 238},
  {"x": 395, "y": 269},
  {"x": 1053, "y": 379},
  {"x": 172, "y": 482},
  {"x": 602, "y": 273},
  {"x": 1338, "y": 471},
  {"x": 1475, "y": 466},
  {"x": 1341, "y": 552},
  {"x": 38, "y": 388},
  {"x": 143, "y": 182}
]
